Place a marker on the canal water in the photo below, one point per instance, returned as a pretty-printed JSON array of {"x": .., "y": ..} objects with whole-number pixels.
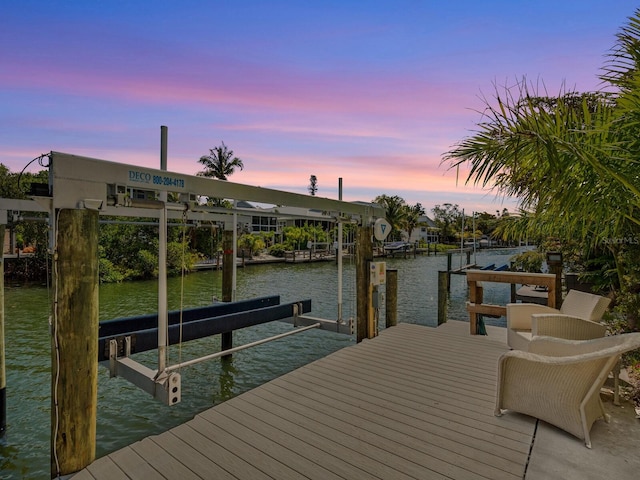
[{"x": 126, "y": 414}]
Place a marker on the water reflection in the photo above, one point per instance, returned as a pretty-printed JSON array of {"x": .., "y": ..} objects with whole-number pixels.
[{"x": 226, "y": 380}]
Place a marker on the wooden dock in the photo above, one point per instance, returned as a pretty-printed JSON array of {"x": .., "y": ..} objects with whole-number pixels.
[{"x": 414, "y": 403}]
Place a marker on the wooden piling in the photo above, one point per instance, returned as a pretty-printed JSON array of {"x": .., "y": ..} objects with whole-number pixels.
[
  {"x": 557, "y": 271},
  {"x": 443, "y": 294},
  {"x": 74, "y": 365},
  {"x": 364, "y": 256},
  {"x": 391, "y": 304},
  {"x": 3, "y": 370},
  {"x": 228, "y": 254}
]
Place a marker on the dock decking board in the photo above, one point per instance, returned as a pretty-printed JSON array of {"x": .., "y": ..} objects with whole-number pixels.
[
  {"x": 405, "y": 420},
  {"x": 414, "y": 403},
  {"x": 327, "y": 466},
  {"x": 395, "y": 437}
]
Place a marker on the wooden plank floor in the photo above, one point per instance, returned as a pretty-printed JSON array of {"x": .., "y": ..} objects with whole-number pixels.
[{"x": 414, "y": 403}]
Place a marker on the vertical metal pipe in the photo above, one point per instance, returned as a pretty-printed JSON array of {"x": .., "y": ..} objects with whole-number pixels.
[
  {"x": 235, "y": 246},
  {"x": 164, "y": 135},
  {"x": 475, "y": 262},
  {"x": 462, "y": 238},
  {"x": 339, "y": 255},
  {"x": 163, "y": 316},
  {"x": 228, "y": 261}
]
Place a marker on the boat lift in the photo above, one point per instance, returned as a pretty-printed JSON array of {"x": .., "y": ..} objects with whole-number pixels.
[{"x": 117, "y": 189}]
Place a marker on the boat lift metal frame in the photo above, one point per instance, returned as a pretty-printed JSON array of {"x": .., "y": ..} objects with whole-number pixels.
[{"x": 83, "y": 182}]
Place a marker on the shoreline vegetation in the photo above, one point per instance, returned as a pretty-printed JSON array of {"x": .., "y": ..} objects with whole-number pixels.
[{"x": 25, "y": 265}]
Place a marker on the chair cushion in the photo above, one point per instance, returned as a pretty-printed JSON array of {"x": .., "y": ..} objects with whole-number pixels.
[
  {"x": 518, "y": 339},
  {"x": 584, "y": 305}
]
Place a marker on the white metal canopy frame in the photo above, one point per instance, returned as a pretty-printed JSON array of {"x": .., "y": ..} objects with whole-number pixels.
[
  {"x": 125, "y": 190},
  {"x": 86, "y": 182}
]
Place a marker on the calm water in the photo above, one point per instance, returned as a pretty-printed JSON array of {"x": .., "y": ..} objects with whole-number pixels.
[{"x": 126, "y": 414}]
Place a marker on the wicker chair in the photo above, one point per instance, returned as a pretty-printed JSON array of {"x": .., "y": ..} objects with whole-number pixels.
[
  {"x": 578, "y": 304},
  {"x": 559, "y": 380}
]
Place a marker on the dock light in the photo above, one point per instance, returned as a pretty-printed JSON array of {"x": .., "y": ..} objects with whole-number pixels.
[{"x": 554, "y": 258}]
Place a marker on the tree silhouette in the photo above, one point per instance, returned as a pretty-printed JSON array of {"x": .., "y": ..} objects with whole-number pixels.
[
  {"x": 313, "y": 184},
  {"x": 412, "y": 218},
  {"x": 445, "y": 217},
  {"x": 220, "y": 163}
]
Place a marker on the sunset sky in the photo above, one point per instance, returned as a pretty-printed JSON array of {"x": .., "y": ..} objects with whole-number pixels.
[{"x": 371, "y": 91}]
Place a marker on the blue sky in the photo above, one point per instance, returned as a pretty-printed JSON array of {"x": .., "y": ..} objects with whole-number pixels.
[{"x": 371, "y": 91}]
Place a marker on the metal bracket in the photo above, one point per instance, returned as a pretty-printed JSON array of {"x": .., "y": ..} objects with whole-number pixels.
[
  {"x": 162, "y": 386},
  {"x": 124, "y": 345},
  {"x": 323, "y": 324}
]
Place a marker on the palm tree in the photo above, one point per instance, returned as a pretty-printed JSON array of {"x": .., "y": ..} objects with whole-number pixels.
[
  {"x": 412, "y": 218},
  {"x": 220, "y": 163},
  {"x": 549, "y": 154},
  {"x": 395, "y": 213},
  {"x": 572, "y": 160}
]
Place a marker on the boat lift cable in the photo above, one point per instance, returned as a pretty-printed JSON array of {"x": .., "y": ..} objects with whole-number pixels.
[{"x": 239, "y": 348}]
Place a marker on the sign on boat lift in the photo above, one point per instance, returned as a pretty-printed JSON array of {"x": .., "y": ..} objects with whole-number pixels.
[{"x": 117, "y": 189}]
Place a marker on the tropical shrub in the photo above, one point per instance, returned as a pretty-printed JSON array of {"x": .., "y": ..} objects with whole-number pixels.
[
  {"x": 277, "y": 250},
  {"x": 529, "y": 261}
]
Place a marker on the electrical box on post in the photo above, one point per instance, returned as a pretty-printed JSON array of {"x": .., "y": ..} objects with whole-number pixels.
[
  {"x": 377, "y": 273},
  {"x": 377, "y": 299}
]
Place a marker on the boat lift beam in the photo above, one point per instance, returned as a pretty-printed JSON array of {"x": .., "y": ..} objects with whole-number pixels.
[
  {"x": 125, "y": 325},
  {"x": 145, "y": 339},
  {"x": 164, "y": 383}
]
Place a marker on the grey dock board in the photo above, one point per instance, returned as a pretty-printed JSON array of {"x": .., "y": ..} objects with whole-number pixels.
[
  {"x": 238, "y": 463},
  {"x": 357, "y": 450},
  {"x": 267, "y": 465},
  {"x": 104, "y": 467},
  {"x": 405, "y": 423},
  {"x": 129, "y": 461},
  {"x": 414, "y": 403},
  {"x": 278, "y": 443},
  {"x": 184, "y": 443},
  {"x": 398, "y": 451},
  {"x": 163, "y": 461}
]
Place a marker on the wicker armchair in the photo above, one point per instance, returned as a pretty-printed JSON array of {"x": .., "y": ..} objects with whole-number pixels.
[
  {"x": 578, "y": 304},
  {"x": 559, "y": 380}
]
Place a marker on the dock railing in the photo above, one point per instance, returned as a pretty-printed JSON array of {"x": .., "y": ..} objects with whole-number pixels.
[
  {"x": 476, "y": 307},
  {"x": 296, "y": 256}
]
